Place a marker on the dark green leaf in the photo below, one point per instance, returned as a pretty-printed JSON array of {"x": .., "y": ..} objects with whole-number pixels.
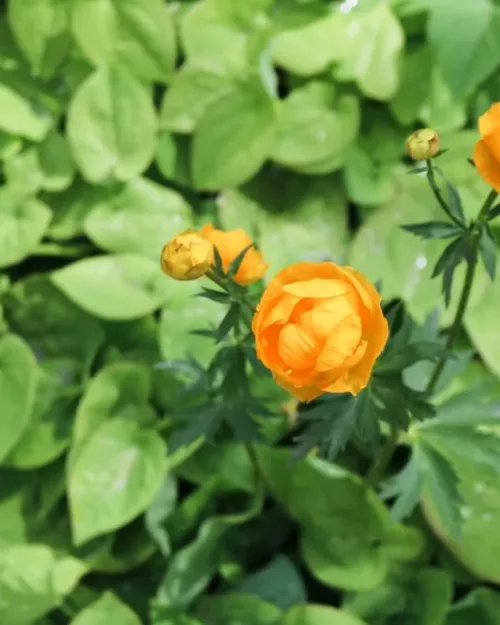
[
  {"x": 455, "y": 203},
  {"x": 236, "y": 263},
  {"x": 216, "y": 296},
  {"x": 487, "y": 247},
  {"x": 433, "y": 229},
  {"x": 494, "y": 212},
  {"x": 405, "y": 487},
  {"x": 228, "y": 323},
  {"x": 451, "y": 256}
]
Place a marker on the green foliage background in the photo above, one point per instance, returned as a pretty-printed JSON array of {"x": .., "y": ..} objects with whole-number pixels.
[{"x": 123, "y": 122}]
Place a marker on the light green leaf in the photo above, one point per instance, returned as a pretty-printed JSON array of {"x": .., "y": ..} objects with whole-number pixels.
[
  {"x": 20, "y": 116},
  {"x": 416, "y": 74},
  {"x": 173, "y": 154},
  {"x": 18, "y": 377},
  {"x": 193, "y": 88},
  {"x": 72, "y": 206},
  {"x": 34, "y": 580},
  {"x": 24, "y": 221},
  {"x": 140, "y": 217},
  {"x": 368, "y": 182},
  {"x": 442, "y": 109},
  {"x": 376, "y": 39},
  {"x": 136, "y": 34},
  {"x": 319, "y": 615},
  {"x": 245, "y": 609},
  {"x": 106, "y": 610},
  {"x": 482, "y": 605},
  {"x": 121, "y": 287},
  {"x": 233, "y": 137},
  {"x": 115, "y": 475},
  {"x": 309, "y": 49},
  {"x": 49, "y": 431},
  {"x": 315, "y": 128},
  {"x": 41, "y": 28},
  {"x": 112, "y": 125},
  {"x": 40, "y": 313},
  {"x": 56, "y": 163},
  {"x": 340, "y": 519},
  {"x": 465, "y": 40}
]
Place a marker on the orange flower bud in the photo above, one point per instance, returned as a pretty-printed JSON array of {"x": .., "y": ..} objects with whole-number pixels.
[
  {"x": 319, "y": 328},
  {"x": 423, "y": 144},
  {"x": 229, "y": 245},
  {"x": 187, "y": 256},
  {"x": 486, "y": 155}
]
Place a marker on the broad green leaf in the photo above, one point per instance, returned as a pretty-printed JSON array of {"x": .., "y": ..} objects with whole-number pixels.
[
  {"x": 193, "y": 88},
  {"x": 292, "y": 217},
  {"x": 315, "y": 128},
  {"x": 464, "y": 39},
  {"x": 24, "y": 221},
  {"x": 22, "y": 172},
  {"x": 368, "y": 182},
  {"x": 160, "y": 508},
  {"x": 52, "y": 325},
  {"x": 482, "y": 605},
  {"x": 115, "y": 475},
  {"x": 246, "y": 609},
  {"x": 140, "y": 217},
  {"x": 49, "y": 431},
  {"x": 404, "y": 263},
  {"x": 112, "y": 125},
  {"x": 136, "y": 34},
  {"x": 41, "y": 28},
  {"x": 117, "y": 287},
  {"x": 309, "y": 49},
  {"x": 18, "y": 116},
  {"x": 278, "y": 583},
  {"x": 106, "y": 610},
  {"x": 441, "y": 109},
  {"x": 33, "y": 580},
  {"x": 234, "y": 136},
  {"x": 112, "y": 390},
  {"x": 173, "y": 155},
  {"x": 340, "y": 520},
  {"x": 416, "y": 73},
  {"x": 9, "y": 146},
  {"x": 17, "y": 390},
  {"x": 319, "y": 615},
  {"x": 183, "y": 314},
  {"x": 372, "y": 53}
]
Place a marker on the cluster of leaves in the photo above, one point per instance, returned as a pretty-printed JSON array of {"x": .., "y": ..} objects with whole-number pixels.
[{"x": 123, "y": 122}]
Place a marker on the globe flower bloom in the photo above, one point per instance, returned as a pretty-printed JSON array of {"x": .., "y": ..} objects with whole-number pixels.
[
  {"x": 230, "y": 244},
  {"x": 188, "y": 256},
  {"x": 486, "y": 154},
  {"x": 319, "y": 328},
  {"x": 423, "y": 144}
]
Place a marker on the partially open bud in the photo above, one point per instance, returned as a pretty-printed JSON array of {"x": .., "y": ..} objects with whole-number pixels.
[
  {"x": 187, "y": 256},
  {"x": 423, "y": 144}
]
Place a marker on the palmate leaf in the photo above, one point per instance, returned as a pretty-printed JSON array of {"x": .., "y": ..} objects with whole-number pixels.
[{"x": 405, "y": 487}]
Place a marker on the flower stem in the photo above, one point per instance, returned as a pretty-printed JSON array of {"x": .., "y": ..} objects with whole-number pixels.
[
  {"x": 376, "y": 472},
  {"x": 466, "y": 290}
]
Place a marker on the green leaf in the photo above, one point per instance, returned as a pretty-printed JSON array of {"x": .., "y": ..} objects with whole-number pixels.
[
  {"x": 107, "y": 609},
  {"x": 319, "y": 615},
  {"x": 442, "y": 109},
  {"x": 441, "y": 483},
  {"x": 160, "y": 508},
  {"x": 371, "y": 58},
  {"x": 55, "y": 162},
  {"x": 33, "y": 581},
  {"x": 315, "y": 128},
  {"x": 24, "y": 221},
  {"x": 193, "y": 89},
  {"x": 245, "y": 609},
  {"x": 481, "y": 605},
  {"x": 105, "y": 137},
  {"x": 405, "y": 487},
  {"x": 464, "y": 39},
  {"x": 49, "y": 431},
  {"x": 310, "y": 48},
  {"x": 40, "y": 313},
  {"x": 340, "y": 519},
  {"x": 488, "y": 249},
  {"x": 278, "y": 583},
  {"x": 234, "y": 136},
  {"x": 368, "y": 182},
  {"x": 139, "y": 218},
  {"x": 433, "y": 229},
  {"x": 41, "y": 28},
  {"x": 17, "y": 390},
  {"x": 117, "y": 287},
  {"x": 135, "y": 34},
  {"x": 18, "y": 116},
  {"x": 415, "y": 79},
  {"x": 115, "y": 475}
]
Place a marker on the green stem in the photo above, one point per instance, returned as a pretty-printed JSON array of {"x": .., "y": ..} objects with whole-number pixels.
[
  {"x": 482, "y": 218},
  {"x": 376, "y": 473}
]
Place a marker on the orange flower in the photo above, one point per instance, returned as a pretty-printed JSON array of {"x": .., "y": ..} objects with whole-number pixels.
[
  {"x": 319, "y": 328},
  {"x": 229, "y": 245},
  {"x": 487, "y": 150}
]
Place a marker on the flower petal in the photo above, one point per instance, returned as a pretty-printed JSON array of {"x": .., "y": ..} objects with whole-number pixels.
[{"x": 487, "y": 165}]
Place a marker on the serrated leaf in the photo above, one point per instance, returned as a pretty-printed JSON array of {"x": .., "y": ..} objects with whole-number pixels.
[{"x": 406, "y": 487}]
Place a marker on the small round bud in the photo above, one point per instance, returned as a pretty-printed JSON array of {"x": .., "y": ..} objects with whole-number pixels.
[
  {"x": 187, "y": 256},
  {"x": 423, "y": 144}
]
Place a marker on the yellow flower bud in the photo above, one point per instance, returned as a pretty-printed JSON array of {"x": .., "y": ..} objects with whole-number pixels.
[
  {"x": 423, "y": 144},
  {"x": 187, "y": 256}
]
